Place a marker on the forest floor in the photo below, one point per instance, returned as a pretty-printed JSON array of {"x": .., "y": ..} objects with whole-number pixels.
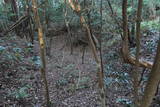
[{"x": 71, "y": 83}]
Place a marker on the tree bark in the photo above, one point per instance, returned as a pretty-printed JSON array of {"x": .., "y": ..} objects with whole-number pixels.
[
  {"x": 136, "y": 72},
  {"x": 14, "y": 8},
  {"x": 154, "y": 79},
  {"x": 125, "y": 49},
  {"x": 42, "y": 51}
]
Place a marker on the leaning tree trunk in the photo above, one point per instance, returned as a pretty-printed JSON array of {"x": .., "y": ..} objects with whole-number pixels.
[
  {"x": 77, "y": 8},
  {"x": 153, "y": 81},
  {"x": 42, "y": 50}
]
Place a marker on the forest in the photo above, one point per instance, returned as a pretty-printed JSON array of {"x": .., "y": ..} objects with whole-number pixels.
[{"x": 79, "y": 53}]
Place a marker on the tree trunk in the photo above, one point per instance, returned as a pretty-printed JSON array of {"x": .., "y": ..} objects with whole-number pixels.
[
  {"x": 42, "y": 50},
  {"x": 14, "y": 10},
  {"x": 153, "y": 81},
  {"x": 137, "y": 64},
  {"x": 125, "y": 49}
]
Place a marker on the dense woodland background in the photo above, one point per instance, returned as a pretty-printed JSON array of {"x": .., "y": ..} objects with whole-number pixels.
[{"x": 79, "y": 53}]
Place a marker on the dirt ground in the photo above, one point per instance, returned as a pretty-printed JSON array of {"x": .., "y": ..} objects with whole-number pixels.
[{"x": 71, "y": 83}]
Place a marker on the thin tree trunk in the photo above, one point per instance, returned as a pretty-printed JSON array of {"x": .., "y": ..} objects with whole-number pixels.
[
  {"x": 46, "y": 12},
  {"x": 101, "y": 71},
  {"x": 68, "y": 27},
  {"x": 113, "y": 13},
  {"x": 42, "y": 50},
  {"x": 125, "y": 49},
  {"x": 14, "y": 9},
  {"x": 28, "y": 12},
  {"x": 136, "y": 72},
  {"x": 154, "y": 79}
]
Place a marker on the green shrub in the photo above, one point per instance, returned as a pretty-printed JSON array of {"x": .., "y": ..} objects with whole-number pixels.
[{"x": 151, "y": 25}]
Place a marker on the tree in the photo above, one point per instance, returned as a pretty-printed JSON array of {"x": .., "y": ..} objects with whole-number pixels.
[
  {"x": 138, "y": 33},
  {"x": 42, "y": 50},
  {"x": 154, "y": 78},
  {"x": 14, "y": 9}
]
